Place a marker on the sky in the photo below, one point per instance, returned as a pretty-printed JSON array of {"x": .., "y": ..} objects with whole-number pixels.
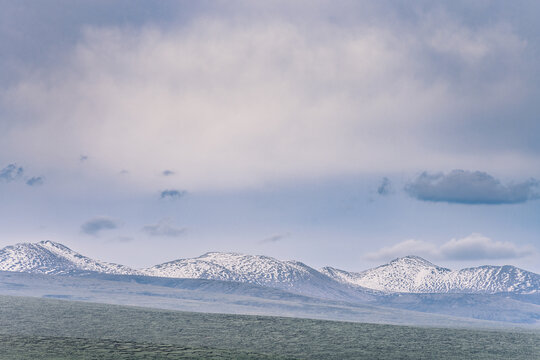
[{"x": 336, "y": 133}]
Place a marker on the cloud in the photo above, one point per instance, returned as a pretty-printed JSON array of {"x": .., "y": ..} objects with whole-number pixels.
[
  {"x": 473, "y": 247},
  {"x": 172, "y": 194},
  {"x": 404, "y": 248},
  {"x": 341, "y": 95},
  {"x": 35, "y": 181},
  {"x": 467, "y": 187},
  {"x": 11, "y": 173},
  {"x": 96, "y": 225},
  {"x": 477, "y": 246},
  {"x": 163, "y": 228},
  {"x": 167, "y": 173},
  {"x": 275, "y": 238},
  {"x": 385, "y": 188},
  {"x": 122, "y": 239}
]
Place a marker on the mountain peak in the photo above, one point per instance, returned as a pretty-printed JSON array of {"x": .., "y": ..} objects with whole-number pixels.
[
  {"x": 233, "y": 254},
  {"x": 414, "y": 257},
  {"x": 49, "y": 242},
  {"x": 223, "y": 254},
  {"x": 412, "y": 260},
  {"x": 53, "y": 245}
]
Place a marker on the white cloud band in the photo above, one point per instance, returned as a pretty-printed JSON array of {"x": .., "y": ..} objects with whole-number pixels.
[{"x": 472, "y": 247}]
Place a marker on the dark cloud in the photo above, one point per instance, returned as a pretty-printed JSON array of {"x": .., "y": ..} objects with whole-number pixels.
[
  {"x": 96, "y": 225},
  {"x": 168, "y": 173},
  {"x": 275, "y": 238},
  {"x": 467, "y": 187},
  {"x": 163, "y": 228},
  {"x": 172, "y": 194},
  {"x": 385, "y": 187},
  {"x": 35, "y": 181},
  {"x": 11, "y": 172},
  {"x": 83, "y": 158},
  {"x": 122, "y": 239},
  {"x": 28, "y": 38}
]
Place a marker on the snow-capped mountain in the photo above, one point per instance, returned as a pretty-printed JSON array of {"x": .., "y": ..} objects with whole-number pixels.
[
  {"x": 293, "y": 276},
  {"x": 412, "y": 274},
  {"x": 47, "y": 257}
]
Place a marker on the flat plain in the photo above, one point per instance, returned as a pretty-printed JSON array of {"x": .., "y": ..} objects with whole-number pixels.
[{"x": 32, "y": 328}]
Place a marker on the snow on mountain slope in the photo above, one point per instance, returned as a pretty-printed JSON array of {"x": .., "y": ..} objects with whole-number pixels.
[
  {"x": 256, "y": 269},
  {"x": 260, "y": 270},
  {"x": 47, "y": 257},
  {"x": 412, "y": 274},
  {"x": 495, "y": 279},
  {"x": 400, "y": 275}
]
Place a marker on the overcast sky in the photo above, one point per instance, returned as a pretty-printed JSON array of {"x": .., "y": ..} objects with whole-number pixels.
[{"x": 341, "y": 133}]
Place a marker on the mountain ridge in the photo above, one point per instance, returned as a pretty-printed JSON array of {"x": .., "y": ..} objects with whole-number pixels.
[
  {"x": 409, "y": 274},
  {"x": 413, "y": 274},
  {"x": 256, "y": 269},
  {"x": 48, "y": 257}
]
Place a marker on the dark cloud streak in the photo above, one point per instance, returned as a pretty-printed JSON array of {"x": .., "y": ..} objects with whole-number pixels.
[
  {"x": 172, "y": 194},
  {"x": 385, "y": 188},
  {"x": 96, "y": 225},
  {"x": 163, "y": 228},
  {"x": 35, "y": 181},
  {"x": 275, "y": 238}
]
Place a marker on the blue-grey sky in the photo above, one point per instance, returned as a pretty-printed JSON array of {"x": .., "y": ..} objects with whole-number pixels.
[{"x": 342, "y": 133}]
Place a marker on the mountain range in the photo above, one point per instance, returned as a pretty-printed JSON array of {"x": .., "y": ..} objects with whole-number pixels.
[
  {"x": 407, "y": 290},
  {"x": 410, "y": 274}
]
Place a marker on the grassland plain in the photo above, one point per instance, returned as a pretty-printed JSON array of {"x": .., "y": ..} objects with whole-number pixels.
[{"x": 32, "y": 328}]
